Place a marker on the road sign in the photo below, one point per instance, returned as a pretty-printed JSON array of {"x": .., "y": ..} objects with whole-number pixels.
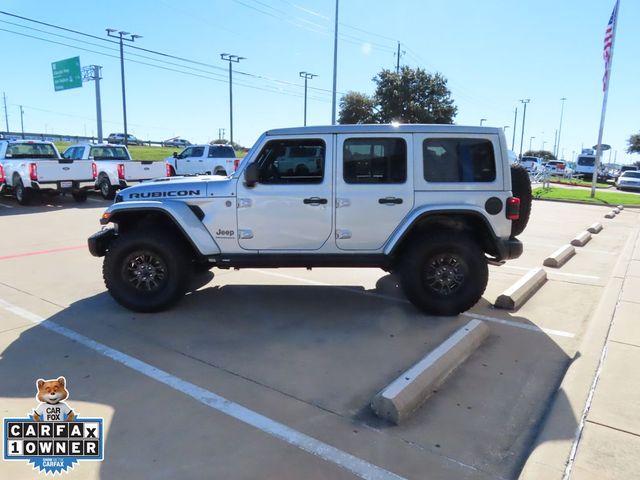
[
  {"x": 604, "y": 147},
  {"x": 66, "y": 74}
]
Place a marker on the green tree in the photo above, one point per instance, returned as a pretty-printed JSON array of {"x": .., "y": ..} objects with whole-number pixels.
[
  {"x": 356, "y": 107},
  {"x": 413, "y": 96},
  {"x": 634, "y": 143},
  {"x": 410, "y": 96},
  {"x": 543, "y": 154}
]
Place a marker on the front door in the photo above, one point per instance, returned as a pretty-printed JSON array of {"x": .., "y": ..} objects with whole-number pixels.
[
  {"x": 374, "y": 188},
  {"x": 290, "y": 208}
]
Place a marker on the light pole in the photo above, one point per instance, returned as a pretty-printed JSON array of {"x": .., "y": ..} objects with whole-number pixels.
[
  {"x": 505, "y": 128},
  {"x": 307, "y": 76},
  {"x": 6, "y": 115},
  {"x": 544, "y": 142},
  {"x": 530, "y": 140},
  {"x": 515, "y": 123},
  {"x": 482, "y": 120},
  {"x": 231, "y": 59},
  {"x": 524, "y": 117},
  {"x": 94, "y": 72},
  {"x": 129, "y": 37},
  {"x": 560, "y": 128},
  {"x": 335, "y": 68},
  {"x": 22, "y": 121}
]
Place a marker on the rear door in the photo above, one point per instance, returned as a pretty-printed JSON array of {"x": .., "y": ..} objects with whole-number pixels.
[{"x": 374, "y": 188}]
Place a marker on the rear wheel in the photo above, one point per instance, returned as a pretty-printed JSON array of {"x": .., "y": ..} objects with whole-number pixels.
[
  {"x": 23, "y": 194},
  {"x": 146, "y": 271},
  {"x": 79, "y": 196},
  {"x": 444, "y": 274},
  {"x": 107, "y": 191},
  {"x": 521, "y": 188}
]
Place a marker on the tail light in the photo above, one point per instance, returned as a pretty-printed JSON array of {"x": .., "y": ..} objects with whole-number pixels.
[
  {"x": 168, "y": 167},
  {"x": 560, "y": 166},
  {"x": 2, "y": 179},
  {"x": 33, "y": 172},
  {"x": 94, "y": 170},
  {"x": 513, "y": 208},
  {"x": 121, "y": 171},
  {"x": 236, "y": 162}
]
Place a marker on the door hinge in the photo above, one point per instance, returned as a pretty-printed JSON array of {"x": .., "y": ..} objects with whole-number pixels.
[
  {"x": 343, "y": 234},
  {"x": 244, "y": 202},
  {"x": 343, "y": 202},
  {"x": 245, "y": 234}
]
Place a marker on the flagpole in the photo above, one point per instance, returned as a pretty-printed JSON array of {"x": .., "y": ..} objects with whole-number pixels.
[{"x": 604, "y": 103}]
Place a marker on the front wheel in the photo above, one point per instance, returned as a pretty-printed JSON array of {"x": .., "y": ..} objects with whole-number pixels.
[
  {"x": 146, "y": 272},
  {"x": 444, "y": 274}
]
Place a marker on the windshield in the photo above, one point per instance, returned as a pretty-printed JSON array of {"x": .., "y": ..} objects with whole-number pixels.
[
  {"x": 109, "y": 153},
  {"x": 31, "y": 150},
  {"x": 221, "y": 152},
  {"x": 628, "y": 174},
  {"x": 529, "y": 159},
  {"x": 586, "y": 161}
]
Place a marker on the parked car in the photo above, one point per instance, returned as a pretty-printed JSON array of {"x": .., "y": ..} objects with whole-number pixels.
[
  {"x": 32, "y": 166},
  {"x": 629, "y": 180},
  {"x": 585, "y": 165},
  {"x": 118, "y": 139},
  {"x": 204, "y": 160},
  {"x": 532, "y": 164},
  {"x": 176, "y": 142},
  {"x": 113, "y": 167},
  {"x": 626, "y": 168},
  {"x": 556, "y": 167}
]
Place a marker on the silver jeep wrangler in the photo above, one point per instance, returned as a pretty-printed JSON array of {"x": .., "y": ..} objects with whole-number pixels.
[{"x": 434, "y": 203}]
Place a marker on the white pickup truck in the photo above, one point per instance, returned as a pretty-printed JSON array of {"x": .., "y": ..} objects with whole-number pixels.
[
  {"x": 30, "y": 167},
  {"x": 204, "y": 159},
  {"x": 114, "y": 168}
]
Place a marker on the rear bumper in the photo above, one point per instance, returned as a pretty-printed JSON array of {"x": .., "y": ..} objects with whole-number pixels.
[
  {"x": 63, "y": 185},
  {"x": 509, "y": 249},
  {"x": 99, "y": 242}
]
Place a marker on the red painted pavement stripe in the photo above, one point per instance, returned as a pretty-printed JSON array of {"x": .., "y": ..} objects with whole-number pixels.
[{"x": 42, "y": 252}]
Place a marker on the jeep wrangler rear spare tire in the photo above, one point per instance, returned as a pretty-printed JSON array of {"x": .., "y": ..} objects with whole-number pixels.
[
  {"x": 443, "y": 273},
  {"x": 521, "y": 188},
  {"x": 146, "y": 271}
]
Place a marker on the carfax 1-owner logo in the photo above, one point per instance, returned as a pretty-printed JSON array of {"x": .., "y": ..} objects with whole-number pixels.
[{"x": 53, "y": 438}]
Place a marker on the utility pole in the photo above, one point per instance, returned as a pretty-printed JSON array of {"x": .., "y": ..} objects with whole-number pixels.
[
  {"x": 515, "y": 123},
  {"x": 399, "y": 55},
  {"x": 22, "y": 121},
  {"x": 335, "y": 68},
  {"x": 231, "y": 59},
  {"x": 306, "y": 76},
  {"x": 94, "y": 72},
  {"x": 6, "y": 115},
  {"x": 555, "y": 144},
  {"x": 129, "y": 37},
  {"x": 560, "y": 128},
  {"x": 524, "y": 117}
]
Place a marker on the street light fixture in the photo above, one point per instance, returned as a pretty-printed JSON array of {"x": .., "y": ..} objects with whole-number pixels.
[
  {"x": 129, "y": 37},
  {"x": 227, "y": 57},
  {"x": 482, "y": 120},
  {"x": 524, "y": 117},
  {"x": 307, "y": 76}
]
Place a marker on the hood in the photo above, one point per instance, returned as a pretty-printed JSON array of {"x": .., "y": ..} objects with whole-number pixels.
[{"x": 176, "y": 188}]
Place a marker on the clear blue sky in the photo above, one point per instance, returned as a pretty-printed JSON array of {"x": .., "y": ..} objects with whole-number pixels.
[{"x": 493, "y": 53}]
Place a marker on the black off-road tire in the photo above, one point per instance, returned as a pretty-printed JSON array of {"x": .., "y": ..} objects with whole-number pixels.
[
  {"x": 79, "y": 196},
  {"x": 23, "y": 194},
  {"x": 131, "y": 251},
  {"x": 521, "y": 188},
  {"x": 107, "y": 191},
  {"x": 443, "y": 273}
]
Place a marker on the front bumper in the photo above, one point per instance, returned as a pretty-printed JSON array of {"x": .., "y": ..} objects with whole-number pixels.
[{"x": 99, "y": 242}]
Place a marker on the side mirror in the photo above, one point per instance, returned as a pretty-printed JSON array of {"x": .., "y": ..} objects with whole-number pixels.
[
  {"x": 251, "y": 175},
  {"x": 175, "y": 154}
]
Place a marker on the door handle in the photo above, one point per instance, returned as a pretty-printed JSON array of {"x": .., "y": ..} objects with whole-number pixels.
[
  {"x": 390, "y": 201},
  {"x": 315, "y": 201}
]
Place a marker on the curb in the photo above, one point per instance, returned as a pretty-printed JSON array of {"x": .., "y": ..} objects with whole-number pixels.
[
  {"x": 560, "y": 429},
  {"x": 595, "y": 228},
  {"x": 607, "y": 205},
  {"x": 581, "y": 239},
  {"x": 405, "y": 394},
  {"x": 517, "y": 294},
  {"x": 560, "y": 256}
]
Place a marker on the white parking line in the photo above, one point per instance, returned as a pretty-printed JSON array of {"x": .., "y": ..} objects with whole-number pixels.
[
  {"x": 511, "y": 323},
  {"x": 552, "y": 272},
  {"x": 5, "y": 206},
  {"x": 344, "y": 460}
]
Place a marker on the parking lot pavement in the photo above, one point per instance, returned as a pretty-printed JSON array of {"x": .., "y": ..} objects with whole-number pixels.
[{"x": 302, "y": 351}]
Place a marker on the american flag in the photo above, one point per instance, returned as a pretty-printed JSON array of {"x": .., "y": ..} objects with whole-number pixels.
[{"x": 608, "y": 44}]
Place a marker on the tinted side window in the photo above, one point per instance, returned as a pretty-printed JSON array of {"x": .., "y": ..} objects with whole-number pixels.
[
  {"x": 221, "y": 152},
  {"x": 197, "y": 152},
  {"x": 458, "y": 160},
  {"x": 374, "y": 160},
  {"x": 292, "y": 162}
]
